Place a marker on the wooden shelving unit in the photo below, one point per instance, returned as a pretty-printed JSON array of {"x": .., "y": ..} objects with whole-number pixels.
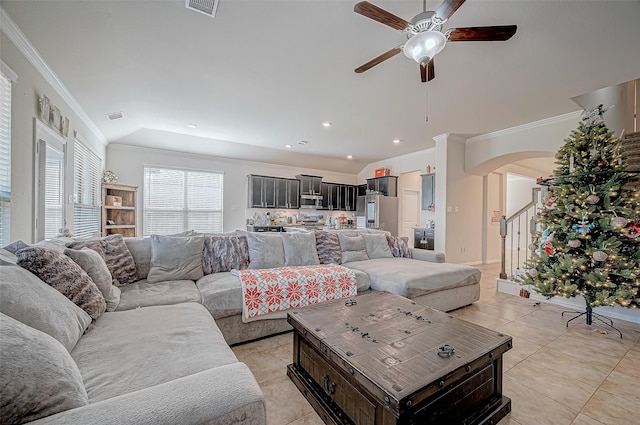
[{"x": 124, "y": 215}]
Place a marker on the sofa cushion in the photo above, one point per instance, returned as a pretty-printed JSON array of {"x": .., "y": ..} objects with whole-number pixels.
[
  {"x": 222, "y": 292},
  {"x": 176, "y": 258},
  {"x": 7, "y": 256},
  {"x": 140, "y": 249},
  {"x": 116, "y": 255},
  {"x": 376, "y": 245},
  {"x": 15, "y": 246},
  {"x": 399, "y": 246},
  {"x": 144, "y": 294},
  {"x": 328, "y": 247},
  {"x": 32, "y": 302},
  {"x": 412, "y": 278},
  {"x": 266, "y": 251},
  {"x": 300, "y": 249},
  {"x": 93, "y": 264},
  {"x": 38, "y": 377},
  {"x": 222, "y": 253},
  {"x": 135, "y": 349},
  {"x": 63, "y": 274},
  {"x": 353, "y": 248}
]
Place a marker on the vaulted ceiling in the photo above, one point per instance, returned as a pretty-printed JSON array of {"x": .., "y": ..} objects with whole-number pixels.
[{"x": 264, "y": 74}]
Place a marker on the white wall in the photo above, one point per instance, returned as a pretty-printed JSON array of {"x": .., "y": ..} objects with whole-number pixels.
[
  {"x": 494, "y": 201},
  {"x": 519, "y": 189},
  {"x": 24, "y": 109},
  {"x": 128, "y": 162}
]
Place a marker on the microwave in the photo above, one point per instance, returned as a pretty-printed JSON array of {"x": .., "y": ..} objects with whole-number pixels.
[{"x": 311, "y": 201}]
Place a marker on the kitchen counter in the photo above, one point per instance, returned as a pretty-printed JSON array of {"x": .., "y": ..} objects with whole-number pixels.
[{"x": 253, "y": 228}]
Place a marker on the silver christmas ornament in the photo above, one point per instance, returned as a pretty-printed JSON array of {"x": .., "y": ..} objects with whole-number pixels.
[
  {"x": 593, "y": 199},
  {"x": 618, "y": 222},
  {"x": 574, "y": 243},
  {"x": 600, "y": 256},
  {"x": 532, "y": 247},
  {"x": 534, "y": 273}
]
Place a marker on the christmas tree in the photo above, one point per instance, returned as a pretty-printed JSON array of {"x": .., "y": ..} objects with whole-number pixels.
[{"x": 588, "y": 241}]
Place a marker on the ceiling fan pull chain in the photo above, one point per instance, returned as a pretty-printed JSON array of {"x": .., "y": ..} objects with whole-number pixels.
[{"x": 426, "y": 103}]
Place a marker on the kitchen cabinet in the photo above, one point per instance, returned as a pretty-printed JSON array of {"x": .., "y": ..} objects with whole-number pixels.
[
  {"x": 349, "y": 198},
  {"x": 262, "y": 191},
  {"x": 424, "y": 238},
  {"x": 428, "y": 191},
  {"x": 387, "y": 185},
  {"x": 288, "y": 193},
  {"x": 310, "y": 185},
  {"x": 330, "y": 196}
]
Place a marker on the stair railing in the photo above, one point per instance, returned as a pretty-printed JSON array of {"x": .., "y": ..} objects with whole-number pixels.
[{"x": 521, "y": 227}]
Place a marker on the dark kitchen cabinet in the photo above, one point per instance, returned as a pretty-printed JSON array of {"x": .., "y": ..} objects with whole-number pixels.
[
  {"x": 310, "y": 185},
  {"x": 349, "y": 198},
  {"x": 288, "y": 193},
  {"x": 428, "y": 191},
  {"x": 424, "y": 238},
  {"x": 262, "y": 191},
  {"x": 330, "y": 196},
  {"x": 387, "y": 185}
]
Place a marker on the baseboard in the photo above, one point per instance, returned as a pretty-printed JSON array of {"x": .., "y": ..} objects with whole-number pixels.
[{"x": 576, "y": 303}]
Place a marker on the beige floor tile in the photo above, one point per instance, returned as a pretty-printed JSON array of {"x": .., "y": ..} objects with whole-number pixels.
[
  {"x": 623, "y": 384},
  {"x": 524, "y": 331},
  {"x": 591, "y": 371},
  {"x": 508, "y": 420},
  {"x": 528, "y": 407},
  {"x": 310, "y": 419},
  {"x": 583, "y": 419},
  {"x": 520, "y": 350},
  {"x": 285, "y": 403},
  {"x": 570, "y": 392},
  {"x": 611, "y": 409},
  {"x": 588, "y": 347}
]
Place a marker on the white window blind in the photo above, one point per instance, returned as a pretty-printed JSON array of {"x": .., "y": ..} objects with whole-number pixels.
[
  {"x": 5, "y": 158},
  {"x": 178, "y": 200},
  {"x": 53, "y": 192},
  {"x": 86, "y": 191}
]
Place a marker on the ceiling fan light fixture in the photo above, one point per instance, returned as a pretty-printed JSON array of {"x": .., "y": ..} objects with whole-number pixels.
[{"x": 423, "y": 46}]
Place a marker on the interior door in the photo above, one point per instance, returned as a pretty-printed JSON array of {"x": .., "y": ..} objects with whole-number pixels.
[{"x": 410, "y": 213}]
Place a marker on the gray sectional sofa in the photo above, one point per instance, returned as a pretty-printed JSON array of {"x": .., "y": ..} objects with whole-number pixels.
[{"x": 162, "y": 355}]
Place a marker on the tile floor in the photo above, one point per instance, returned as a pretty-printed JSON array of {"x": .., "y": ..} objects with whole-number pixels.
[{"x": 553, "y": 375}]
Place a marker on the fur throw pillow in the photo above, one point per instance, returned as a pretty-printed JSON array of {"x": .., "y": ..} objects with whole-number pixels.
[
  {"x": 399, "y": 246},
  {"x": 224, "y": 253},
  {"x": 328, "y": 247},
  {"x": 62, "y": 273},
  {"x": 117, "y": 256}
]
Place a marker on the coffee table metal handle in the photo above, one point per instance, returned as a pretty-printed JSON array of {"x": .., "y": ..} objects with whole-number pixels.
[
  {"x": 328, "y": 388},
  {"x": 446, "y": 351}
]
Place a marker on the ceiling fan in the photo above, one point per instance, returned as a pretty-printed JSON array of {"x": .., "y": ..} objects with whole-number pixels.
[{"x": 425, "y": 36}]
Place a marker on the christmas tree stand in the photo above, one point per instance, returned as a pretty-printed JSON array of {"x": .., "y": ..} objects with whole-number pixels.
[{"x": 589, "y": 316}]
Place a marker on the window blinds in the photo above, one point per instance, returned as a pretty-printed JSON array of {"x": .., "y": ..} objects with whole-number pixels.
[
  {"x": 86, "y": 191},
  {"x": 178, "y": 200},
  {"x": 5, "y": 158},
  {"x": 53, "y": 192}
]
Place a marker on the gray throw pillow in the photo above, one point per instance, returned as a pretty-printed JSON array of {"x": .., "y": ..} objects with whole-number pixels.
[
  {"x": 376, "y": 245},
  {"x": 16, "y": 246},
  {"x": 328, "y": 247},
  {"x": 63, "y": 274},
  {"x": 38, "y": 377},
  {"x": 7, "y": 256},
  {"x": 399, "y": 246},
  {"x": 223, "y": 253},
  {"x": 353, "y": 248},
  {"x": 300, "y": 249},
  {"x": 266, "y": 251},
  {"x": 140, "y": 249},
  {"x": 32, "y": 302},
  {"x": 175, "y": 258},
  {"x": 116, "y": 254},
  {"x": 93, "y": 263}
]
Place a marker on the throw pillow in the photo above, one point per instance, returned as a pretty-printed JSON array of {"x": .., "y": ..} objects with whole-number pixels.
[
  {"x": 38, "y": 377},
  {"x": 60, "y": 272},
  {"x": 7, "y": 257},
  {"x": 353, "y": 248},
  {"x": 328, "y": 247},
  {"x": 175, "y": 258},
  {"x": 140, "y": 249},
  {"x": 14, "y": 247},
  {"x": 300, "y": 249},
  {"x": 266, "y": 251},
  {"x": 224, "y": 253},
  {"x": 117, "y": 256},
  {"x": 32, "y": 302},
  {"x": 399, "y": 246},
  {"x": 376, "y": 245},
  {"x": 93, "y": 263}
]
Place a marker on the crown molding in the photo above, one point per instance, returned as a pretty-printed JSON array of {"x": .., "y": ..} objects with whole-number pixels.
[
  {"x": 527, "y": 126},
  {"x": 24, "y": 46}
]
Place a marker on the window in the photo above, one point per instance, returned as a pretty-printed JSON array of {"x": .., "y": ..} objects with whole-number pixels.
[
  {"x": 5, "y": 156},
  {"x": 86, "y": 191},
  {"x": 178, "y": 200},
  {"x": 51, "y": 196}
]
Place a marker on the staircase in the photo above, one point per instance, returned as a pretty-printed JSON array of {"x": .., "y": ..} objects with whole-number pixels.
[{"x": 631, "y": 146}]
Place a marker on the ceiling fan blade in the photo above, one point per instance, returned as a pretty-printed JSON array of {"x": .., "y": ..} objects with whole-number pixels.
[
  {"x": 372, "y": 11},
  {"x": 447, "y": 8},
  {"x": 375, "y": 61},
  {"x": 427, "y": 72},
  {"x": 495, "y": 33}
]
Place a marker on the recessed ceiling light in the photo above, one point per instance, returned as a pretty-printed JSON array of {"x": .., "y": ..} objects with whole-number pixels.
[
  {"x": 396, "y": 141},
  {"x": 349, "y": 156},
  {"x": 192, "y": 125},
  {"x": 327, "y": 124},
  {"x": 288, "y": 146},
  {"x": 302, "y": 142}
]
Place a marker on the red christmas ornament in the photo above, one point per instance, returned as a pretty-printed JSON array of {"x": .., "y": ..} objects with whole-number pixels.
[{"x": 632, "y": 231}]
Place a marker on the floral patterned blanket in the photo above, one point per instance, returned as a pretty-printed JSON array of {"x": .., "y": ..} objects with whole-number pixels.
[{"x": 268, "y": 291}]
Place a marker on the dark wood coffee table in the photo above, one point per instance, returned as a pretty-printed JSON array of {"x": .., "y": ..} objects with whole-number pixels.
[{"x": 382, "y": 359}]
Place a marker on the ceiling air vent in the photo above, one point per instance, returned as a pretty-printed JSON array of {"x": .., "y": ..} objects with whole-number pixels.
[
  {"x": 115, "y": 116},
  {"x": 208, "y": 7}
]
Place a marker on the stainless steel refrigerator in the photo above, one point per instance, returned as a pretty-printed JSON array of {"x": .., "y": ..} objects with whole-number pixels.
[{"x": 375, "y": 211}]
